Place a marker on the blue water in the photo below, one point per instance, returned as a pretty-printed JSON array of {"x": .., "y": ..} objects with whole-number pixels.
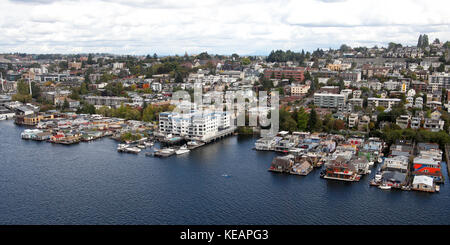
[{"x": 222, "y": 183}]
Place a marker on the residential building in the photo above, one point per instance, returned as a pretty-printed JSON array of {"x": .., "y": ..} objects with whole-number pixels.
[
  {"x": 397, "y": 163},
  {"x": 403, "y": 121},
  {"x": 354, "y": 76},
  {"x": 299, "y": 89},
  {"x": 438, "y": 81},
  {"x": 363, "y": 123},
  {"x": 352, "y": 120},
  {"x": 195, "y": 124},
  {"x": 328, "y": 100},
  {"x": 385, "y": 102},
  {"x": 294, "y": 73},
  {"x": 106, "y": 100},
  {"x": 415, "y": 122},
  {"x": 433, "y": 124}
]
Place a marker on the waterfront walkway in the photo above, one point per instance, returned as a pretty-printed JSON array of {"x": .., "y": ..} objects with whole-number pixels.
[{"x": 220, "y": 135}]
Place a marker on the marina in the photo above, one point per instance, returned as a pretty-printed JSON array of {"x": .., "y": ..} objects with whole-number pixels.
[{"x": 134, "y": 137}]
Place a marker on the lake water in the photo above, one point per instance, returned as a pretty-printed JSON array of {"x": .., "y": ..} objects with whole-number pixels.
[{"x": 91, "y": 183}]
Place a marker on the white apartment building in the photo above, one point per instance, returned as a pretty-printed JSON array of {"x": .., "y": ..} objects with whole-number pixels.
[
  {"x": 199, "y": 124},
  {"x": 156, "y": 86},
  {"x": 352, "y": 120},
  {"x": 118, "y": 66},
  {"x": 357, "y": 94},
  {"x": 105, "y": 100},
  {"x": 438, "y": 81},
  {"x": 327, "y": 100},
  {"x": 385, "y": 102}
]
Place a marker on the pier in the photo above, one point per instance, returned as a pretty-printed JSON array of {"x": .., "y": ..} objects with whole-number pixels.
[{"x": 219, "y": 135}]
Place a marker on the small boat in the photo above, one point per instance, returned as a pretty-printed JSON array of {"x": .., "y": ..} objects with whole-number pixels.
[
  {"x": 164, "y": 152},
  {"x": 149, "y": 144},
  {"x": 134, "y": 150},
  {"x": 384, "y": 187},
  {"x": 167, "y": 150},
  {"x": 226, "y": 175},
  {"x": 121, "y": 147},
  {"x": 182, "y": 150},
  {"x": 141, "y": 146},
  {"x": 193, "y": 143},
  {"x": 127, "y": 149}
]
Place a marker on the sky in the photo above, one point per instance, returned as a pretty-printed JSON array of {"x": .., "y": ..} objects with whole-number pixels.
[{"x": 246, "y": 27}]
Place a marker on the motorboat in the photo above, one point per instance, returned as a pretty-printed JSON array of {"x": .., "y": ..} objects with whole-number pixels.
[
  {"x": 121, "y": 147},
  {"x": 134, "y": 150},
  {"x": 182, "y": 150},
  {"x": 193, "y": 143},
  {"x": 167, "y": 150},
  {"x": 384, "y": 187}
]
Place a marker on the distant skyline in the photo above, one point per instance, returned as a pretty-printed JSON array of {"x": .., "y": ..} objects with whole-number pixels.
[{"x": 247, "y": 27}]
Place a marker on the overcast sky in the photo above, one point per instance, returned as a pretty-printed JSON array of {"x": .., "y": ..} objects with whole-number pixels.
[{"x": 216, "y": 26}]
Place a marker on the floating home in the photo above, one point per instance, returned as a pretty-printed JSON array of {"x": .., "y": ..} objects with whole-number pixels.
[{"x": 341, "y": 169}]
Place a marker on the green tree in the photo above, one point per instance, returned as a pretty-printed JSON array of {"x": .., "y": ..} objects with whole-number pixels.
[
  {"x": 23, "y": 87},
  {"x": 65, "y": 104},
  {"x": 36, "y": 90},
  {"x": 246, "y": 61},
  {"x": 287, "y": 123},
  {"x": 302, "y": 119},
  {"x": 313, "y": 121},
  {"x": 87, "y": 109}
]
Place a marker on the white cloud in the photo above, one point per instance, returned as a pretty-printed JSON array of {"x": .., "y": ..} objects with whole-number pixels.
[{"x": 226, "y": 26}]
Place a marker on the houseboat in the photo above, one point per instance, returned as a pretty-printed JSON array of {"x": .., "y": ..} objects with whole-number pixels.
[
  {"x": 282, "y": 164},
  {"x": 341, "y": 169}
]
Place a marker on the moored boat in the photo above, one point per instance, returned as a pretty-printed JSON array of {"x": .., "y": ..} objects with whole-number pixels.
[{"x": 182, "y": 150}]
